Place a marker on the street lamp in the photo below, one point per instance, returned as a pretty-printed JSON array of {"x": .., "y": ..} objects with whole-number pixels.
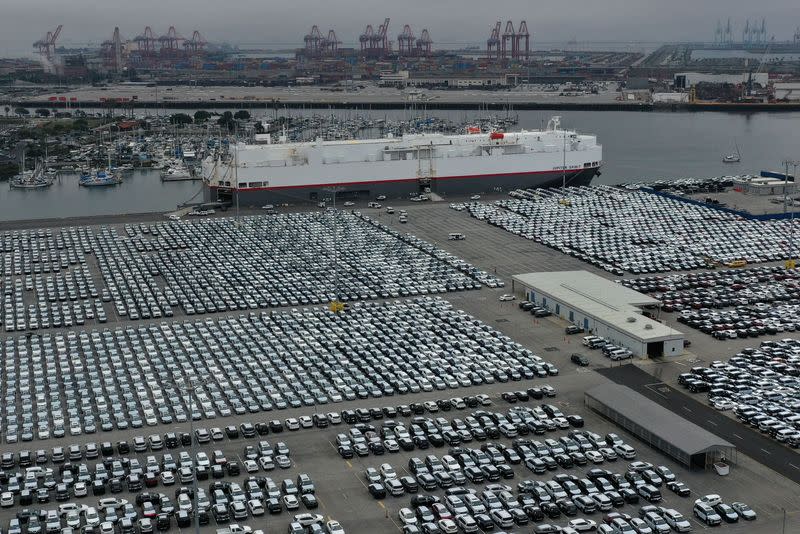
[
  {"x": 189, "y": 387},
  {"x": 790, "y": 263},
  {"x": 335, "y": 305}
]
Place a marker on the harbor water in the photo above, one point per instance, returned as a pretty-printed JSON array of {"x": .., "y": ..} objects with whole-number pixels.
[{"x": 636, "y": 147}]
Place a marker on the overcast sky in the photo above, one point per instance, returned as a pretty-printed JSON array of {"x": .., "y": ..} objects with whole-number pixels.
[{"x": 284, "y": 22}]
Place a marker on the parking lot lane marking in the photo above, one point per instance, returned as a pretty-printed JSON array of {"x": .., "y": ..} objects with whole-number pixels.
[
  {"x": 380, "y": 503},
  {"x": 710, "y": 422},
  {"x": 737, "y": 436},
  {"x": 798, "y": 468},
  {"x": 348, "y": 464},
  {"x": 686, "y": 408},
  {"x": 654, "y": 389},
  {"x": 765, "y": 451}
]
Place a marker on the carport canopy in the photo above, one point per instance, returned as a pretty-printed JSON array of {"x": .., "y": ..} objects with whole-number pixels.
[{"x": 660, "y": 427}]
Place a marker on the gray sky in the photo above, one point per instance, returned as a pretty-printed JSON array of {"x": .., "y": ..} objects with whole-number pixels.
[{"x": 284, "y": 22}]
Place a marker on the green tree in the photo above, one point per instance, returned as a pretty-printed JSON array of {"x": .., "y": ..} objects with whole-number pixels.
[
  {"x": 180, "y": 119},
  {"x": 80, "y": 124},
  {"x": 242, "y": 115},
  {"x": 201, "y": 116},
  {"x": 42, "y": 112},
  {"x": 227, "y": 121},
  {"x": 21, "y": 112},
  {"x": 7, "y": 110}
]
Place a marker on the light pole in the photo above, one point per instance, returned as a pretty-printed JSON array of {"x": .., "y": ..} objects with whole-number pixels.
[
  {"x": 790, "y": 262},
  {"x": 189, "y": 388},
  {"x": 335, "y": 304}
]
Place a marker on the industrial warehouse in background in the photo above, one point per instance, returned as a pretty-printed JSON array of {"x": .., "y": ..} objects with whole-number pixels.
[{"x": 741, "y": 63}]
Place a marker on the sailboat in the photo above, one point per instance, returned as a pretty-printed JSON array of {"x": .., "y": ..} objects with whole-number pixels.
[
  {"x": 733, "y": 158},
  {"x": 101, "y": 177},
  {"x": 27, "y": 179}
]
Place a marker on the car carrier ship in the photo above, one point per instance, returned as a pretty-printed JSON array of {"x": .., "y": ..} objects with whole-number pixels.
[{"x": 474, "y": 162}]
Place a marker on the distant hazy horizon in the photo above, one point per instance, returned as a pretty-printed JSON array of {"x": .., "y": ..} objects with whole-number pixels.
[{"x": 452, "y": 23}]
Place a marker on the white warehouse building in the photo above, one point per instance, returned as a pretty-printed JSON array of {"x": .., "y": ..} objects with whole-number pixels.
[{"x": 603, "y": 308}]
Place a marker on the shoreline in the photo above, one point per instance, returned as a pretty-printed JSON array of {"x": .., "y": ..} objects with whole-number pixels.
[{"x": 727, "y": 107}]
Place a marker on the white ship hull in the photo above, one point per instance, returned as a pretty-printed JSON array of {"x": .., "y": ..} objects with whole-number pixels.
[{"x": 304, "y": 172}]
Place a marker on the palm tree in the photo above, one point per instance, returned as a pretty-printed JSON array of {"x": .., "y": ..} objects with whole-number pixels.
[{"x": 7, "y": 110}]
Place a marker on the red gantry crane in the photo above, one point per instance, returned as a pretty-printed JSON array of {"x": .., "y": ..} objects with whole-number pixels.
[
  {"x": 47, "y": 44},
  {"x": 424, "y": 43},
  {"x": 493, "y": 42}
]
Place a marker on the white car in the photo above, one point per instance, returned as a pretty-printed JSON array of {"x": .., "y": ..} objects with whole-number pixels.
[
  {"x": 111, "y": 502},
  {"x": 407, "y": 517},
  {"x": 475, "y": 197},
  {"x": 387, "y": 471},
  {"x": 507, "y": 297},
  {"x": 92, "y": 517},
  {"x": 711, "y": 499},
  {"x": 290, "y": 502},
  {"x": 256, "y": 507},
  {"x": 7, "y": 499},
  {"x": 640, "y": 526},
  {"x": 334, "y": 527},
  {"x": 347, "y": 205},
  {"x": 73, "y": 519},
  {"x": 292, "y": 424},
  {"x": 677, "y": 521},
  {"x": 580, "y": 524},
  {"x": 308, "y": 519},
  {"x": 80, "y": 489},
  {"x": 625, "y": 451}
]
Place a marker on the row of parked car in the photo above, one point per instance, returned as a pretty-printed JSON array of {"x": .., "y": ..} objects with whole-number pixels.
[
  {"x": 497, "y": 505},
  {"x": 51, "y": 271},
  {"x": 634, "y": 230},
  {"x": 117, "y": 474},
  {"x": 744, "y": 321},
  {"x": 383, "y": 263},
  {"x": 609, "y": 349},
  {"x": 724, "y": 288},
  {"x": 422, "y": 433},
  {"x": 760, "y": 385},
  {"x": 224, "y": 502},
  {"x": 297, "y": 358}
]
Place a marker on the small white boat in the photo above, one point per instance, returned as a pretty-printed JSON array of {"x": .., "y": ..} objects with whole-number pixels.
[{"x": 733, "y": 158}]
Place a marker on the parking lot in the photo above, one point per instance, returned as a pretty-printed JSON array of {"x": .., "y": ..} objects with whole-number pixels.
[
  {"x": 342, "y": 494},
  {"x": 212, "y": 355},
  {"x": 77, "y": 276},
  {"x": 623, "y": 231}
]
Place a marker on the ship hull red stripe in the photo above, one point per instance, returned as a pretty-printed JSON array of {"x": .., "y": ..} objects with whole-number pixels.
[{"x": 399, "y": 180}]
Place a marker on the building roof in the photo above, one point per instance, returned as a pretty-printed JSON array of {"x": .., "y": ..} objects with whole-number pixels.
[
  {"x": 598, "y": 297},
  {"x": 662, "y": 423}
]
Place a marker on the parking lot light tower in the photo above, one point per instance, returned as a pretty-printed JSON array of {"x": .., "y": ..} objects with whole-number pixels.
[
  {"x": 189, "y": 386},
  {"x": 336, "y": 305},
  {"x": 790, "y": 263}
]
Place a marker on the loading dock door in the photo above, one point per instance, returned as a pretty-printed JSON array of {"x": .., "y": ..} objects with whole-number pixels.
[
  {"x": 586, "y": 323},
  {"x": 655, "y": 349}
]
